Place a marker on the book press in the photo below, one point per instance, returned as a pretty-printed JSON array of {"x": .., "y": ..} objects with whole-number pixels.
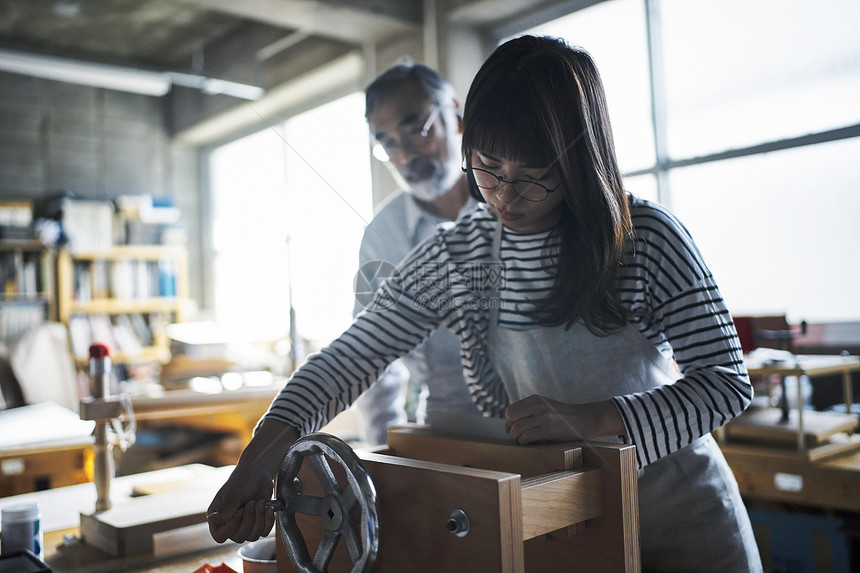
[{"x": 434, "y": 501}]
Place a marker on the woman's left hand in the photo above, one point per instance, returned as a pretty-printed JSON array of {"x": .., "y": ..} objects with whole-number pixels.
[{"x": 539, "y": 418}]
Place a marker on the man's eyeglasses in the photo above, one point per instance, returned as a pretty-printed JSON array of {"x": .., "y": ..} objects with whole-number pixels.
[
  {"x": 528, "y": 190},
  {"x": 409, "y": 136}
]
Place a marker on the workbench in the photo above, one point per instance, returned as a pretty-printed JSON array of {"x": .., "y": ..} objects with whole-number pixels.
[
  {"x": 43, "y": 446},
  {"x": 767, "y": 474},
  {"x": 811, "y": 459},
  {"x": 233, "y": 411},
  {"x": 61, "y": 509},
  {"x": 808, "y": 429}
]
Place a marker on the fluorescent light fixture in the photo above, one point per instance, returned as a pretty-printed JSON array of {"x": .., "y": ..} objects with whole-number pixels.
[
  {"x": 214, "y": 86},
  {"x": 98, "y": 75},
  {"x": 119, "y": 78}
]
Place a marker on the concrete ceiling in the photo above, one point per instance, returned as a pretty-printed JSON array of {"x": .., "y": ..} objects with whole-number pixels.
[
  {"x": 220, "y": 53},
  {"x": 188, "y": 36},
  {"x": 185, "y": 35}
]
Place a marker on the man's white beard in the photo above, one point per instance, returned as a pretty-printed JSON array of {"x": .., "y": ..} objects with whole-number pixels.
[{"x": 440, "y": 182}]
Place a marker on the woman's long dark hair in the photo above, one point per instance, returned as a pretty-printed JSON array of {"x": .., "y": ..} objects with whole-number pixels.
[{"x": 538, "y": 101}]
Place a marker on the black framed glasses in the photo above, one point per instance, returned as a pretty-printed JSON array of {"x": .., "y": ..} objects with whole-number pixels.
[
  {"x": 410, "y": 135},
  {"x": 528, "y": 190}
]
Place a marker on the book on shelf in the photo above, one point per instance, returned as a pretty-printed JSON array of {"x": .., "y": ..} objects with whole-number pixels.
[
  {"x": 122, "y": 279},
  {"x": 88, "y": 224},
  {"x": 167, "y": 272},
  {"x": 83, "y": 282},
  {"x": 102, "y": 330},
  {"x": 126, "y": 339},
  {"x": 16, "y": 212},
  {"x": 19, "y": 316},
  {"x": 16, "y": 216},
  {"x": 80, "y": 335},
  {"x": 21, "y": 274},
  {"x": 150, "y": 220},
  {"x": 141, "y": 328},
  {"x": 125, "y": 333},
  {"x": 127, "y": 280},
  {"x": 100, "y": 277}
]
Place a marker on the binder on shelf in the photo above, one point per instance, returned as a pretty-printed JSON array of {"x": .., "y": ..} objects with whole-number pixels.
[
  {"x": 80, "y": 336},
  {"x": 122, "y": 280},
  {"x": 18, "y": 317},
  {"x": 167, "y": 278},
  {"x": 26, "y": 287},
  {"x": 126, "y": 338},
  {"x": 88, "y": 224},
  {"x": 16, "y": 213},
  {"x": 141, "y": 328},
  {"x": 101, "y": 330}
]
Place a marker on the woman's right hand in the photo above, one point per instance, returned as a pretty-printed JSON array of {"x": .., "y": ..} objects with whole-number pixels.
[{"x": 238, "y": 511}]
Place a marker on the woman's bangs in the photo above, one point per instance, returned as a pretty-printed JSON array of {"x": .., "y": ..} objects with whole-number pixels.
[{"x": 507, "y": 125}]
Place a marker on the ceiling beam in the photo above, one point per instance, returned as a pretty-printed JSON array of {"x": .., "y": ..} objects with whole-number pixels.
[
  {"x": 342, "y": 75},
  {"x": 344, "y": 20}
]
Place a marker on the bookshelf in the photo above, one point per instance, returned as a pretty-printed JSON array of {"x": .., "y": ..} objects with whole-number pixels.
[
  {"x": 124, "y": 295},
  {"x": 27, "y": 297}
]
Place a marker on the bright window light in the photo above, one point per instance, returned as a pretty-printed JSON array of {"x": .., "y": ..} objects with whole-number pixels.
[
  {"x": 739, "y": 72},
  {"x": 290, "y": 204},
  {"x": 330, "y": 204}
]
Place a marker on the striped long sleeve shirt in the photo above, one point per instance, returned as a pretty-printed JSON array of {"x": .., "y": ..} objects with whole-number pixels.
[{"x": 447, "y": 280}]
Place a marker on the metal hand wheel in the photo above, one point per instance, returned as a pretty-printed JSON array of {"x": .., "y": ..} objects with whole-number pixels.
[{"x": 349, "y": 512}]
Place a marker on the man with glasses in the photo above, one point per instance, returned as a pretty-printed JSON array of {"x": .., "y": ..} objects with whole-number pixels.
[{"x": 415, "y": 117}]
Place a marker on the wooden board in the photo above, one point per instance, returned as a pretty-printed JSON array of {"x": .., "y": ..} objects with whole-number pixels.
[
  {"x": 764, "y": 425},
  {"x": 608, "y": 542},
  {"x": 765, "y": 474},
  {"x": 558, "y": 500},
  {"x": 419, "y": 443},
  {"x": 129, "y": 526},
  {"x": 415, "y": 499}
]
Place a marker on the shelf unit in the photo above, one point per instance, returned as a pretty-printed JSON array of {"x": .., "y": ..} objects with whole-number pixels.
[
  {"x": 99, "y": 287},
  {"x": 28, "y": 285}
]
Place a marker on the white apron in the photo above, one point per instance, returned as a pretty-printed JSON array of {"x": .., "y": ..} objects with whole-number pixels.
[{"x": 691, "y": 516}]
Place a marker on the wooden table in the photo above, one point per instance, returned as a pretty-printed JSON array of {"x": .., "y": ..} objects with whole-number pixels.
[
  {"x": 61, "y": 509},
  {"x": 235, "y": 411},
  {"x": 823, "y": 470},
  {"x": 43, "y": 446},
  {"x": 768, "y": 474},
  {"x": 803, "y": 365}
]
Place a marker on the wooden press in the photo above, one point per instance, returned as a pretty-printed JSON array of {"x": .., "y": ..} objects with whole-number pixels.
[{"x": 442, "y": 502}]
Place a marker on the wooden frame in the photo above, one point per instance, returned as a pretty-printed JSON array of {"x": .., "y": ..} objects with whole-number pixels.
[{"x": 571, "y": 507}]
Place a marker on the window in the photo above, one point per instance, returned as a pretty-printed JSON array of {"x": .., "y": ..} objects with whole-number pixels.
[
  {"x": 614, "y": 33},
  {"x": 741, "y": 72},
  {"x": 290, "y": 204},
  {"x": 757, "y": 109}
]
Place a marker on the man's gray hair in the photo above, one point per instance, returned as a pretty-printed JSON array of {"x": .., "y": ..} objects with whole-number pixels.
[{"x": 437, "y": 89}]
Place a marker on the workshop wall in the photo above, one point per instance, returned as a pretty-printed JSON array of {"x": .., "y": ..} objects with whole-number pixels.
[{"x": 94, "y": 143}]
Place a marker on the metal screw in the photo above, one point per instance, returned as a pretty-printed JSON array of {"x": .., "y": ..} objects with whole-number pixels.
[
  {"x": 276, "y": 505},
  {"x": 458, "y": 523}
]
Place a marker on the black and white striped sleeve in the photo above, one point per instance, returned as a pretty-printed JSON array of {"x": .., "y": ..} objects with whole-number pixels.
[{"x": 666, "y": 278}]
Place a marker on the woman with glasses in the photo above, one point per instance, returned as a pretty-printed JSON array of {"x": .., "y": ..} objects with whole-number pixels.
[{"x": 583, "y": 313}]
